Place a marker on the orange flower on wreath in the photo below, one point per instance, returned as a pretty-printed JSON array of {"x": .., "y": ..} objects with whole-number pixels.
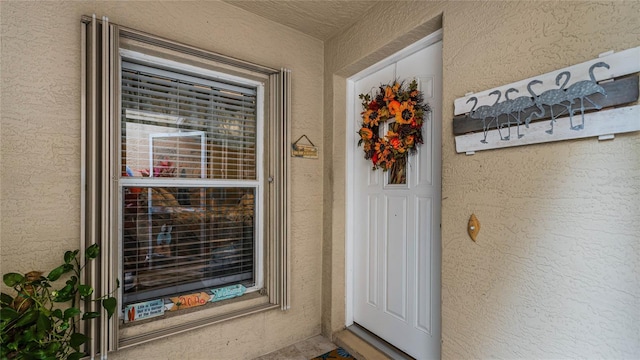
[
  {"x": 383, "y": 149},
  {"x": 396, "y": 143},
  {"x": 371, "y": 117},
  {"x": 366, "y": 134},
  {"x": 395, "y": 88},
  {"x": 405, "y": 114},
  {"x": 390, "y": 92},
  {"x": 389, "y": 163},
  {"x": 381, "y": 146},
  {"x": 409, "y": 141},
  {"x": 394, "y": 107}
]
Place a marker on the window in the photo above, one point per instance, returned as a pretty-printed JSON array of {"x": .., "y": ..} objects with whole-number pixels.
[
  {"x": 184, "y": 179},
  {"x": 191, "y": 182}
]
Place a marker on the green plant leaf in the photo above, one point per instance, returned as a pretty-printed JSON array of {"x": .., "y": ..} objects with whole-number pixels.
[
  {"x": 28, "y": 318},
  {"x": 90, "y": 315},
  {"x": 28, "y": 335},
  {"x": 57, "y": 313},
  {"x": 40, "y": 335},
  {"x": 76, "y": 356},
  {"x": 39, "y": 354},
  {"x": 110, "y": 305},
  {"x": 8, "y": 314},
  {"x": 64, "y": 294},
  {"x": 53, "y": 347},
  {"x": 56, "y": 273},
  {"x": 45, "y": 311},
  {"x": 85, "y": 290},
  {"x": 71, "y": 312},
  {"x": 5, "y": 299},
  {"x": 92, "y": 251},
  {"x": 72, "y": 281},
  {"x": 43, "y": 323},
  {"x": 69, "y": 256},
  {"x": 12, "y": 279},
  {"x": 77, "y": 339}
]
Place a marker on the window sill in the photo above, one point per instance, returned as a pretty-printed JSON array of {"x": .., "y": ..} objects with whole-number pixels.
[{"x": 184, "y": 320}]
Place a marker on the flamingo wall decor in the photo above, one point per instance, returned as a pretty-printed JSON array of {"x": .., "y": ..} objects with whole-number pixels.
[{"x": 560, "y": 105}]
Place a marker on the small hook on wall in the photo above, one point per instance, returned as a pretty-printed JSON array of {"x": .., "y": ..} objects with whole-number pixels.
[{"x": 473, "y": 228}]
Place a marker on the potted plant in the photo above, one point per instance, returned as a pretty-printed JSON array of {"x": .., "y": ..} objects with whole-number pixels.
[{"x": 40, "y": 322}]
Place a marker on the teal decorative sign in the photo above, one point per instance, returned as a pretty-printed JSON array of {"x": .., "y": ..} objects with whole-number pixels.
[{"x": 227, "y": 292}]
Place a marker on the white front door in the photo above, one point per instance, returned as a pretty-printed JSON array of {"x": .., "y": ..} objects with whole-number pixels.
[{"x": 396, "y": 230}]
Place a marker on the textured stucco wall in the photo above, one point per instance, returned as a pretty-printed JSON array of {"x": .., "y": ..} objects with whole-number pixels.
[
  {"x": 40, "y": 149},
  {"x": 555, "y": 272}
]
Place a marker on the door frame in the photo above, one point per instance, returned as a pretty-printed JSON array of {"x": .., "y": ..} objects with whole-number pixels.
[{"x": 351, "y": 151}]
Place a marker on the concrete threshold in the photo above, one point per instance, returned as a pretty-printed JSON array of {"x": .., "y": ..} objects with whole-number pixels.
[{"x": 366, "y": 346}]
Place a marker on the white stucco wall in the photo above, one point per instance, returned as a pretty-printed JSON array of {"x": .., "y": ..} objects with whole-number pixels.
[
  {"x": 555, "y": 271},
  {"x": 40, "y": 149}
]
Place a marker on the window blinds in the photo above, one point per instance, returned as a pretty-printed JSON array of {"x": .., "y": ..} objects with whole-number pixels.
[
  {"x": 184, "y": 236},
  {"x": 178, "y": 240},
  {"x": 172, "y": 102}
]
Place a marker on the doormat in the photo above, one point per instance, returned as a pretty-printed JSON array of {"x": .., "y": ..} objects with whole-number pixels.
[{"x": 338, "y": 353}]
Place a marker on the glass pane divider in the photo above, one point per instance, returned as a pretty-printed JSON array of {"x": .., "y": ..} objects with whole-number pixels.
[{"x": 181, "y": 182}]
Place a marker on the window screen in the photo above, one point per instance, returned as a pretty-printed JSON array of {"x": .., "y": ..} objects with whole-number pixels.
[{"x": 189, "y": 182}]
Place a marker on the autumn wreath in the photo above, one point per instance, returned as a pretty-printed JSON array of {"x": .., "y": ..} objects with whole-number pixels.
[{"x": 392, "y": 102}]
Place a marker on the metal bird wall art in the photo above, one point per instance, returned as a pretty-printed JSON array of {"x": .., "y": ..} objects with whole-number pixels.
[
  {"x": 567, "y": 98},
  {"x": 553, "y": 97},
  {"x": 484, "y": 112},
  {"x": 506, "y": 108},
  {"x": 521, "y": 103},
  {"x": 582, "y": 90}
]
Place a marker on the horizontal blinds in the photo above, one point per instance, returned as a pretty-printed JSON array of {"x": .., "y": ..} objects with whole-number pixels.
[
  {"x": 158, "y": 104},
  {"x": 177, "y": 240},
  {"x": 186, "y": 237}
]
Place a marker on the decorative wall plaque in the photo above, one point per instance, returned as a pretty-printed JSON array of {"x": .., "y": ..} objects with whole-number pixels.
[
  {"x": 569, "y": 99},
  {"x": 309, "y": 151}
]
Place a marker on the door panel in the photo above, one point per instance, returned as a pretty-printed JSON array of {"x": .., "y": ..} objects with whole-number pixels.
[
  {"x": 395, "y": 280},
  {"x": 424, "y": 215},
  {"x": 397, "y": 230},
  {"x": 424, "y": 158},
  {"x": 372, "y": 250}
]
